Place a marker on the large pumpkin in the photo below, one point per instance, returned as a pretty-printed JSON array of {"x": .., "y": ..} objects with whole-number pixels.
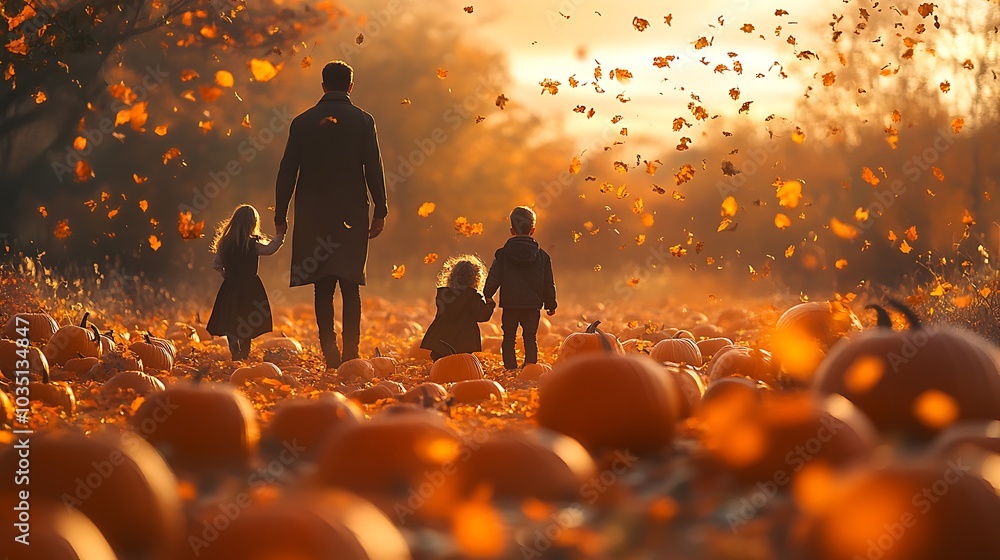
[
  {"x": 306, "y": 423},
  {"x": 36, "y": 327},
  {"x": 55, "y": 532},
  {"x": 916, "y": 382},
  {"x": 923, "y": 511},
  {"x": 11, "y": 354},
  {"x": 805, "y": 332},
  {"x": 771, "y": 440},
  {"x": 588, "y": 342},
  {"x": 533, "y": 372},
  {"x": 117, "y": 480},
  {"x": 426, "y": 395},
  {"x": 373, "y": 394},
  {"x": 538, "y": 464},
  {"x": 691, "y": 388},
  {"x": 678, "y": 351},
  {"x": 389, "y": 457},
  {"x": 111, "y": 364},
  {"x": 155, "y": 353},
  {"x": 199, "y": 427},
  {"x": 72, "y": 341},
  {"x": 327, "y": 525},
  {"x": 282, "y": 343},
  {"x": 711, "y": 346},
  {"x": 53, "y": 393},
  {"x": 384, "y": 365},
  {"x": 609, "y": 401},
  {"x": 357, "y": 368}
]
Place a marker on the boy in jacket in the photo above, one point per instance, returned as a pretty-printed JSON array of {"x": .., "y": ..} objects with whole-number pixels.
[{"x": 522, "y": 271}]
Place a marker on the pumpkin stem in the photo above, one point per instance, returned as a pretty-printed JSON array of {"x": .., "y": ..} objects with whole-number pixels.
[
  {"x": 83, "y": 322},
  {"x": 604, "y": 340},
  {"x": 79, "y": 355},
  {"x": 377, "y": 353},
  {"x": 96, "y": 333},
  {"x": 911, "y": 316},
  {"x": 592, "y": 328},
  {"x": 450, "y": 347},
  {"x": 145, "y": 336},
  {"x": 884, "y": 320},
  {"x": 677, "y": 334}
]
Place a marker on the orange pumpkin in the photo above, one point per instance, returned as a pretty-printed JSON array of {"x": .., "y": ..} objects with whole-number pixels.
[
  {"x": 774, "y": 438},
  {"x": 38, "y": 327},
  {"x": 81, "y": 364},
  {"x": 328, "y": 524},
  {"x": 705, "y": 330},
  {"x": 257, "y": 372},
  {"x": 384, "y": 365},
  {"x": 710, "y": 346},
  {"x": 742, "y": 362},
  {"x": 116, "y": 480},
  {"x": 918, "y": 511},
  {"x": 11, "y": 354},
  {"x": 477, "y": 390},
  {"x": 53, "y": 393},
  {"x": 306, "y": 423},
  {"x": 538, "y": 464},
  {"x": 282, "y": 343},
  {"x": 155, "y": 353},
  {"x": 388, "y": 456},
  {"x": 199, "y": 427},
  {"x": 57, "y": 532},
  {"x": 6, "y": 409},
  {"x": 135, "y": 381},
  {"x": 71, "y": 341},
  {"x": 372, "y": 395},
  {"x": 915, "y": 383},
  {"x": 425, "y": 394},
  {"x": 356, "y": 368},
  {"x": 678, "y": 351},
  {"x": 533, "y": 372},
  {"x": 691, "y": 388},
  {"x": 108, "y": 344},
  {"x": 805, "y": 332},
  {"x": 609, "y": 401},
  {"x": 111, "y": 364},
  {"x": 588, "y": 342},
  {"x": 456, "y": 367}
]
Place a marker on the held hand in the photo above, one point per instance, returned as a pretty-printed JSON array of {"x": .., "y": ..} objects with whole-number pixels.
[
  {"x": 550, "y": 312},
  {"x": 282, "y": 228},
  {"x": 377, "y": 225}
]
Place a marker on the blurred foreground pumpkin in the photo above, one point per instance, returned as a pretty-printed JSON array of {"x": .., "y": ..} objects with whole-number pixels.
[
  {"x": 330, "y": 525},
  {"x": 805, "y": 332},
  {"x": 916, "y": 382},
  {"x": 395, "y": 460},
  {"x": 538, "y": 464},
  {"x": 605, "y": 400},
  {"x": 588, "y": 342},
  {"x": 199, "y": 427},
  {"x": 306, "y": 423},
  {"x": 925, "y": 511},
  {"x": 55, "y": 532},
  {"x": 117, "y": 480},
  {"x": 38, "y": 327}
]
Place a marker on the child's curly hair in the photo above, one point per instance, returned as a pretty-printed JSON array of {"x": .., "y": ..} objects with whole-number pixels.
[{"x": 463, "y": 271}]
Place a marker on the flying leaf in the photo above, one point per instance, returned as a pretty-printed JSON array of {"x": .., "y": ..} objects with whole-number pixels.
[
  {"x": 83, "y": 172},
  {"x": 789, "y": 193},
  {"x": 430, "y": 258},
  {"x": 188, "y": 228},
  {"x": 467, "y": 229},
  {"x": 575, "y": 165},
  {"x": 904, "y": 247},
  {"x": 442, "y": 73},
  {"x": 224, "y": 78},
  {"x": 502, "y": 101},
  {"x": 262, "y": 70},
  {"x": 782, "y": 221},
  {"x": 639, "y": 24},
  {"x": 62, "y": 230},
  {"x": 154, "y": 243},
  {"x": 869, "y": 176},
  {"x": 729, "y": 207},
  {"x": 426, "y": 209},
  {"x": 842, "y": 230},
  {"x": 398, "y": 271},
  {"x": 143, "y": 205}
]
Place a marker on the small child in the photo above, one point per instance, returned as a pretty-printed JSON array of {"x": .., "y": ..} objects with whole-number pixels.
[
  {"x": 522, "y": 271},
  {"x": 241, "y": 310},
  {"x": 460, "y": 307}
]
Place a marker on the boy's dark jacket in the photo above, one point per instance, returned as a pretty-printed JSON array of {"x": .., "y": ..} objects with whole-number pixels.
[
  {"x": 523, "y": 273},
  {"x": 459, "y": 310}
]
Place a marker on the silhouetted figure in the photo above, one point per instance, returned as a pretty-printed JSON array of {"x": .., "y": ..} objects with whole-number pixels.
[
  {"x": 522, "y": 271},
  {"x": 332, "y": 164},
  {"x": 460, "y": 308}
]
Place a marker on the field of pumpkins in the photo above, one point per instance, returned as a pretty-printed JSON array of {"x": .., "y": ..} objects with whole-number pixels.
[{"x": 787, "y": 433}]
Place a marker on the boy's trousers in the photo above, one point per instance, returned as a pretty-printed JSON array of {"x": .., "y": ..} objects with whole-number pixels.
[{"x": 527, "y": 319}]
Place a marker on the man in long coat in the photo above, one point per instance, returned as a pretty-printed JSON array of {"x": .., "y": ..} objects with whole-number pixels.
[{"x": 332, "y": 164}]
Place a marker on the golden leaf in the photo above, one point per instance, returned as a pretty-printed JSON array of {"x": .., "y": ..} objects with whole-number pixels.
[
  {"x": 426, "y": 209},
  {"x": 154, "y": 243},
  {"x": 398, "y": 271},
  {"x": 188, "y": 228},
  {"x": 224, "y": 78},
  {"x": 782, "y": 221},
  {"x": 729, "y": 207},
  {"x": 869, "y": 176},
  {"x": 789, "y": 193},
  {"x": 842, "y": 230},
  {"x": 62, "y": 230},
  {"x": 263, "y": 70},
  {"x": 430, "y": 258}
]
